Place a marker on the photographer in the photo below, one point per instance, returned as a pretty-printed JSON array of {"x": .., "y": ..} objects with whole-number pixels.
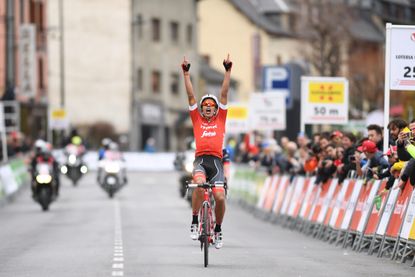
[
  {"x": 326, "y": 166},
  {"x": 404, "y": 142},
  {"x": 375, "y": 161},
  {"x": 348, "y": 140},
  {"x": 394, "y": 170}
]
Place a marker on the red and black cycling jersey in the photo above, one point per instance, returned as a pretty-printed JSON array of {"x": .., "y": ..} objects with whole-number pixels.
[{"x": 209, "y": 135}]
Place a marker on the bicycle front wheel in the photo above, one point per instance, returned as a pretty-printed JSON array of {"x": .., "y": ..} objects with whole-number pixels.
[{"x": 206, "y": 234}]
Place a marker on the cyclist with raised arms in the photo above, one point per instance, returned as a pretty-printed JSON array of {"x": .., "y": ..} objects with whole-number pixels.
[{"x": 209, "y": 132}]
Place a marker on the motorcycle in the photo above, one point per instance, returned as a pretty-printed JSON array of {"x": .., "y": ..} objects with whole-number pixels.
[
  {"x": 184, "y": 164},
  {"x": 112, "y": 175},
  {"x": 74, "y": 167},
  {"x": 44, "y": 185}
]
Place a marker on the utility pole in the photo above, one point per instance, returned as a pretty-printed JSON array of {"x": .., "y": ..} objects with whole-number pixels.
[
  {"x": 135, "y": 133},
  {"x": 62, "y": 54}
]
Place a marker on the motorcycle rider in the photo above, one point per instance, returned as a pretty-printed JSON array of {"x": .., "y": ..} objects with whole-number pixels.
[
  {"x": 76, "y": 145},
  {"x": 209, "y": 132},
  {"x": 43, "y": 154},
  {"x": 112, "y": 153},
  {"x": 104, "y": 147}
]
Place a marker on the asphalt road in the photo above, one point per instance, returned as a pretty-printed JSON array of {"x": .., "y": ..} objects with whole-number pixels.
[{"x": 144, "y": 231}]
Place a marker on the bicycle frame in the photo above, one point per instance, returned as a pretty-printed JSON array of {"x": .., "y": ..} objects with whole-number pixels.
[{"x": 207, "y": 220}]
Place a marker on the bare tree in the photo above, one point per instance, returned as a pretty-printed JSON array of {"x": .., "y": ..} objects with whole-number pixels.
[{"x": 325, "y": 31}]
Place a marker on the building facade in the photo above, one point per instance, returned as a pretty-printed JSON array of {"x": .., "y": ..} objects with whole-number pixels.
[
  {"x": 163, "y": 33},
  {"x": 95, "y": 85},
  {"x": 254, "y": 38},
  {"x": 24, "y": 65}
]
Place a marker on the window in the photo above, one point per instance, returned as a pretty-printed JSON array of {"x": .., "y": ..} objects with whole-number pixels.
[
  {"x": 139, "y": 79},
  {"x": 189, "y": 34},
  {"x": 155, "y": 81},
  {"x": 40, "y": 75},
  {"x": 155, "y": 27},
  {"x": 174, "y": 32},
  {"x": 139, "y": 25},
  {"x": 174, "y": 83}
]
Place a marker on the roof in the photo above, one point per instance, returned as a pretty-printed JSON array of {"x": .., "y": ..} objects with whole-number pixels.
[
  {"x": 254, "y": 11},
  {"x": 363, "y": 28},
  {"x": 212, "y": 75},
  {"x": 271, "y": 6}
]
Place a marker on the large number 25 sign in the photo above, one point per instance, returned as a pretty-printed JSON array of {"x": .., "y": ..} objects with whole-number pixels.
[{"x": 409, "y": 72}]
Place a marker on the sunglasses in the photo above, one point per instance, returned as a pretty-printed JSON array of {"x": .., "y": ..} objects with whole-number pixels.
[{"x": 209, "y": 104}]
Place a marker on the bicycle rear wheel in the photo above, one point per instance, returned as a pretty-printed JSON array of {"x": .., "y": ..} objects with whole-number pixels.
[{"x": 206, "y": 233}]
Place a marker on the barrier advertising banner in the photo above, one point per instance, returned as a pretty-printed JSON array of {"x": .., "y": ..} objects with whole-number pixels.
[
  {"x": 387, "y": 212},
  {"x": 369, "y": 196},
  {"x": 298, "y": 192},
  {"x": 409, "y": 218},
  {"x": 357, "y": 188},
  {"x": 399, "y": 211}
]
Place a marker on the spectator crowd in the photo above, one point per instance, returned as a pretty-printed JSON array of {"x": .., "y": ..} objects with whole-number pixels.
[{"x": 334, "y": 154}]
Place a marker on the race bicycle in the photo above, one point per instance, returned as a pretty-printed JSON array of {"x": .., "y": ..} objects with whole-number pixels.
[{"x": 207, "y": 220}]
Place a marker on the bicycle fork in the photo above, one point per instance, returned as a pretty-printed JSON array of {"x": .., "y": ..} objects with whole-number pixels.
[{"x": 206, "y": 226}]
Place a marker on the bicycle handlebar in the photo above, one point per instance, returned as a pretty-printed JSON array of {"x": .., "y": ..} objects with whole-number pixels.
[{"x": 207, "y": 185}]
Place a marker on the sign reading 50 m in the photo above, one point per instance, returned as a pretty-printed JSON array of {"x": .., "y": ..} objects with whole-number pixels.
[
  {"x": 324, "y": 100},
  {"x": 402, "y": 57}
]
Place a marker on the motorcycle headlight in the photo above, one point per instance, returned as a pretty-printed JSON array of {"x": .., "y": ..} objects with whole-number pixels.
[
  {"x": 112, "y": 168},
  {"x": 72, "y": 159},
  {"x": 64, "y": 169},
  {"x": 43, "y": 179},
  {"x": 111, "y": 181},
  {"x": 84, "y": 169},
  {"x": 189, "y": 167}
]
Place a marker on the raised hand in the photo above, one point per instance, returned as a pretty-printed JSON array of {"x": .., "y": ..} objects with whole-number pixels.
[
  {"x": 185, "y": 65},
  {"x": 227, "y": 64}
]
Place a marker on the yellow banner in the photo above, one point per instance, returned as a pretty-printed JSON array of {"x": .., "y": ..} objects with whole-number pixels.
[
  {"x": 236, "y": 112},
  {"x": 58, "y": 114},
  {"x": 412, "y": 232},
  {"x": 326, "y": 92}
]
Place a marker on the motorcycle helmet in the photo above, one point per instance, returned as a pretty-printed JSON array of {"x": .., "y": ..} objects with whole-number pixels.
[
  {"x": 76, "y": 140},
  {"x": 106, "y": 142},
  {"x": 40, "y": 146},
  {"x": 113, "y": 146}
]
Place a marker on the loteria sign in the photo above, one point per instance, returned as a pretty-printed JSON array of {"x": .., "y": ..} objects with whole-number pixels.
[{"x": 402, "y": 57}]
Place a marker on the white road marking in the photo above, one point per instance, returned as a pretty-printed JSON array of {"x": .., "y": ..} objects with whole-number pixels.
[{"x": 118, "y": 260}]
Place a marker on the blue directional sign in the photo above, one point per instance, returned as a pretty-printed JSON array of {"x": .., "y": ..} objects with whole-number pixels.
[{"x": 277, "y": 79}]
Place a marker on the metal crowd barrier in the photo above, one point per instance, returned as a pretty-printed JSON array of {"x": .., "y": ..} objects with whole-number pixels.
[{"x": 342, "y": 214}]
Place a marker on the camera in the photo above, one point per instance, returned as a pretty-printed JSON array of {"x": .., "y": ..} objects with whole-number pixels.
[
  {"x": 407, "y": 133},
  {"x": 352, "y": 158}
]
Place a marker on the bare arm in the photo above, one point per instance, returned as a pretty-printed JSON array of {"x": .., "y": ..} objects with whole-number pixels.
[
  {"x": 226, "y": 81},
  {"x": 188, "y": 82}
]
